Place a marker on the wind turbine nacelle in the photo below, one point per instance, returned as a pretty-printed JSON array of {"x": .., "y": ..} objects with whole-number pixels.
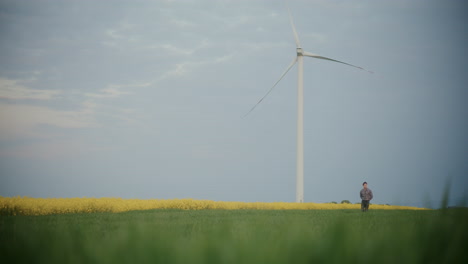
[{"x": 299, "y": 51}]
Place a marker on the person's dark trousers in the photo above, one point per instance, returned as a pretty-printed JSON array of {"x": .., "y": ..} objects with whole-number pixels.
[{"x": 365, "y": 205}]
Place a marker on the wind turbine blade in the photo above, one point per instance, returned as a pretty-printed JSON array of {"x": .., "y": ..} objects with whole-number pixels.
[
  {"x": 271, "y": 89},
  {"x": 308, "y": 54},
  {"x": 296, "y": 37}
]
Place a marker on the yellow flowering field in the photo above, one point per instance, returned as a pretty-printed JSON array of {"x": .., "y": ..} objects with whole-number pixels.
[{"x": 45, "y": 206}]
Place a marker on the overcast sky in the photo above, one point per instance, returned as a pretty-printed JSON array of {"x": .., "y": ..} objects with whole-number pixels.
[{"x": 144, "y": 99}]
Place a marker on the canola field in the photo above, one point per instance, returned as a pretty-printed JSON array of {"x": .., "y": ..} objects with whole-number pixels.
[{"x": 47, "y": 206}]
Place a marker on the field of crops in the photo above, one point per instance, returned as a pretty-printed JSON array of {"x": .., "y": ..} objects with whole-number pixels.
[
  {"x": 41, "y": 206},
  {"x": 237, "y": 236}
]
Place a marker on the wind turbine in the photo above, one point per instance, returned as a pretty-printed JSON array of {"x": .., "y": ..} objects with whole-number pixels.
[{"x": 300, "y": 53}]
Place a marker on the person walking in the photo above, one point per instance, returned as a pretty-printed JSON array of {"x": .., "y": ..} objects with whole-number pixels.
[{"x": 366, "y": 196}]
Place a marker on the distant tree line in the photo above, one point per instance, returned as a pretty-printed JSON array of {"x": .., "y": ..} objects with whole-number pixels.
[{"x": 348, "y": 202}]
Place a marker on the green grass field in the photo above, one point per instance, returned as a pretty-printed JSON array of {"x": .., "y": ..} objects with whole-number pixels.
[{"x": 238, "y": 236}]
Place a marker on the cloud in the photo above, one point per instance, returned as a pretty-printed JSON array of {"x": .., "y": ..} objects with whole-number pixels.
[
  {"x": 109, "y": 92},
  {"x": 237, "y": 21},
  {"x": 260, "y": 46},
  {"x": 183, "y": 24},
  {"x": 116, "y": 90},
  {"x": 12, "y": 89},
  {"x": 103, "y": 107},
  {"x": 27, "y": 108},
  {"x": 179, "y": 50},
  {"x": 46, "y": 150},
  {"x": 183, "y": 68},
  {"x": 19, "y": 120},
  {"x": 315, "y": 37},
  {"x": 123, "y": 33}
]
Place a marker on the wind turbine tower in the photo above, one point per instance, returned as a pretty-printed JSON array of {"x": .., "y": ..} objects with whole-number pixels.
[{"x": 300, "y": 53}]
